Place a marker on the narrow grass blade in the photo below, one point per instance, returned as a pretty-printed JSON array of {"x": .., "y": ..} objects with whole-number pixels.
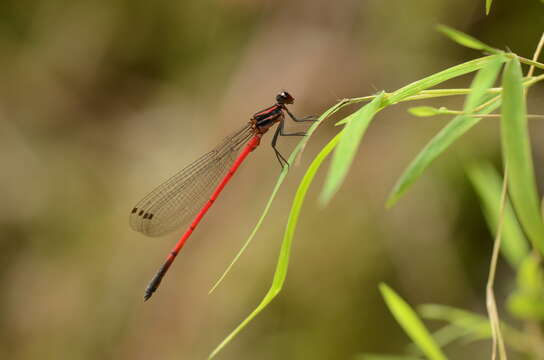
[
  {"x": 487, "y": 182},
  {"x": 488, "y": 6},
  {"x": 414, "y": 89},
  {"x": 424, "y": 111},
  {"x": 298, "y": 149},
  {"x": 455, "y": 71},
  {"x": 483, "y": 80},
  {"x": 344, "y": 154},
  {"x": 412, "y": 325},
  {"x": 517, "y": 154},
  {"x": 466, "y": 40},
  {"x": 283, "y": 260},
  {"x": 475, "y": 324},
  {"x": 438, "y": 144}
]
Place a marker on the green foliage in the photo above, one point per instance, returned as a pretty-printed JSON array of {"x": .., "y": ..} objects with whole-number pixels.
[
  {"x": 438, "y": 78},
  {"x": 410, "y": 322},
  {"x": 487, "y": 183},
  {"x": 296, "y": 152},
  {"x": 347, "y": 147},
  {"x": 466, "y": 40},
  {"x": 454, "y": 130},
  {"x": 516, "y": 151},
  {"x": 517, "y": 155},
  {"x": 471, "y": 326},
  {"x": 283, "y": 260}
]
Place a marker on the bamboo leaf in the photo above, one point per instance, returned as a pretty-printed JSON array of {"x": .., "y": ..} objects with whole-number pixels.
[
  {"x": 416, "y": 87},
  {"x": 283, "y": 260},
  {"x": 455, "y": 71},
  {"x": 527, "y": 301},
  {"x": 410, "y": 322},
  {"x": 476, "y": 325},
  {"x": 347, "y": 148},
  {"x": 466, "y": 40},
  {"x": 488, "y": 185},
  {"x": 517, "y": 154},
  {"x": 483, "y": 80}
]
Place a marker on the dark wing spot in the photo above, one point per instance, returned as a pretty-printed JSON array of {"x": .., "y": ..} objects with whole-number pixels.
[
  {"x": 134, "y": 210},
  {"x": 145, "y": 215},
  {"x": 150, "y": 216},
  {"x": 140, "y": 213}
]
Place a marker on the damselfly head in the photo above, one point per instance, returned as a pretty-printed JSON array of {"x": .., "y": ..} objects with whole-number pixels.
[{"x": 284, "y": 98}]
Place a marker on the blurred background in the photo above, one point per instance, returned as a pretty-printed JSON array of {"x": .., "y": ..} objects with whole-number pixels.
[{"x": 100, "y": 101}]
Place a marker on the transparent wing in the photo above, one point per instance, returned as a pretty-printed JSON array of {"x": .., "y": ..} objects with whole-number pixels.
[{"x": 180, "y": 198}]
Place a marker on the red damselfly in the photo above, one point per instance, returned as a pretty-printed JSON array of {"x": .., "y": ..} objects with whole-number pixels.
[{"x": 190, "y": 193}]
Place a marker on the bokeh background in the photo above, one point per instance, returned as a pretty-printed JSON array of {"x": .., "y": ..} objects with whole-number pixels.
[{"x": 101, "y": 100}]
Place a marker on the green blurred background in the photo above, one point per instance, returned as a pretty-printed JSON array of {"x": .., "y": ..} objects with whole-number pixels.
[{"x": 101, "y": 100}]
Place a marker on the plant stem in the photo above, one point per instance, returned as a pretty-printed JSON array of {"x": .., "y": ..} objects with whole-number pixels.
[{"x": 536, "y": 55}]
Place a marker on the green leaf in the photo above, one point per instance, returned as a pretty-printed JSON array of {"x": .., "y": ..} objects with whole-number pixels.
[
  {"x": 416, "y": 87},
  {"x": 410, "y": 322},
  {"x": 424, "y": 111},
  {"x": 455, "y": 71},
  {"x": 475, "y": 324},
  {"x": 466, "y": 40},
  {"x": 530, "y": 276},
  {"x": 488, "y": 185},
  {"x": 347, "y": 148},
  {"x": 525, "y": 307},
  {"x": 296, "y": 152},
  {"x": 283, "y": 260},
  {"x": 448, "y": 334},
  {"x": 438, "y": 144},
  {"x": 527, "y": 301},
  {"x": 483, "y": 80},
  {"x": 516, "y": 150},
  {"x": 488, "y": 6}
]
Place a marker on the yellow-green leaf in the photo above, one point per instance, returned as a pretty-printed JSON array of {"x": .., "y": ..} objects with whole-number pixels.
[
  {"x": 344, "y": 154},
  {"x": 483, "y": 80},
  {"x": 517, "y": 157},
  {"x": 283, "y": 260},
  {"x": 411, "y": 323},
  {"x": 488, "y": 185},
  {"x": 296, "y": 152},
  {"x": 435, "y": 79},
  {"x": 466, "y": 40},
  {"x": 488, "y": 6}
]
